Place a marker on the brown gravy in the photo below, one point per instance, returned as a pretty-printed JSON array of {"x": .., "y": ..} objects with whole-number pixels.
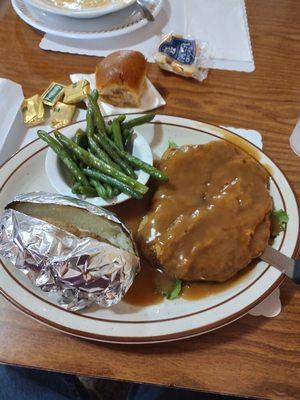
[
  {"x": 242, "y": 144},
  {"x": 212, "y": 217},
  {"x": 247, "y": 147},
  {"x": 143, "y": 291}
]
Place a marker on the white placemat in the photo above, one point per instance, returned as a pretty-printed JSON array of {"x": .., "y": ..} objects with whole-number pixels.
[{"x": 221, "y": 23}]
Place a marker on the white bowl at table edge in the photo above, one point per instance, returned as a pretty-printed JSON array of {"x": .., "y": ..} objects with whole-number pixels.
[{"x": 53, "y": 166}]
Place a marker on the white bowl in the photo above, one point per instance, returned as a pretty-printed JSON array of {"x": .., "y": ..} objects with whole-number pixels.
[
  {"x": 93, "y": 12},
  {"x": 58, "y": 178}
]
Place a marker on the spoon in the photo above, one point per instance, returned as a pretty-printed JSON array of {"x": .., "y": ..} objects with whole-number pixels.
[{"x": 147, "y": 13}]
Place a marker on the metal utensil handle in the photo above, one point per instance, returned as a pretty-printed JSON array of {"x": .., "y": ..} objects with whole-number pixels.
[
  {"x": 146, "y": 11},
  {"x": 296, "y": 274}
]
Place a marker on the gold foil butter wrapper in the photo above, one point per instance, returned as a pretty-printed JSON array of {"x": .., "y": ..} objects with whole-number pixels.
[
  {"x": 77, "y": 271},
  {"x": 53, "y": 94},
  {"x": 33, "y": 111},
  {"x": 62, "y": 115},
  {"x": 76, "y": 92}
]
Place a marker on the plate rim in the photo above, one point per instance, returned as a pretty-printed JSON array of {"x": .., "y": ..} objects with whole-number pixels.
[
  {"x": 105, "y": 34},
  {"x": 171, "y": 336},
  {"x": 145, "y": 340}
]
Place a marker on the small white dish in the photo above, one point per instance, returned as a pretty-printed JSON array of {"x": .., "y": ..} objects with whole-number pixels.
[
  {"x": 92, "y": 12},
  {"x": 58, "y": 178},
  {"x": 124, "y": 21}
]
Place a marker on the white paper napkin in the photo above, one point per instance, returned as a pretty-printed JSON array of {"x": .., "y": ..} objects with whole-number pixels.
[
  {"x": 295, "y": 139},
  {"x": 12, "y": 128},
  {"x": 149, "y": 100},
  {"x": 221, "y": 23},
  {"x": 270, "y": 307}
]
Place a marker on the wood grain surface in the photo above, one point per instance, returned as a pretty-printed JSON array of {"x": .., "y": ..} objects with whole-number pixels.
[{"x": 254, "y": 356}]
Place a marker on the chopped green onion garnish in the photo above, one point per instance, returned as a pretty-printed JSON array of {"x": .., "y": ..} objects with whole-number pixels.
[
  {"x": 175, "y": 291},
  {"x": 279, "y": 219}
]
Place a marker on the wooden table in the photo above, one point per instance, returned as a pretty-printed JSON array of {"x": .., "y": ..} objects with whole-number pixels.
[{"x": 254, "y": 356}]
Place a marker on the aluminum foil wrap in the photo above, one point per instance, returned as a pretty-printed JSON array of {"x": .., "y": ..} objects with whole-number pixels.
[{"x": 80, "y": 271}]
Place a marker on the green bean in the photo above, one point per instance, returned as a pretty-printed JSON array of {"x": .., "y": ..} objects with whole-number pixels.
[
  {"x": 96, "y": 149},
  {"x": 138, "y": 121},
  {"x": 116, "y": 191},
  {"x": 80, "y": 138},
  {"x": 125, "y": 133},
  {"x": 113, "y": 182},
  {"x": 71, "y": 155},
  {"x": 128, "y": 140},
  {"x": 100, "y": 124},
  {"x": 121, "y": 118},
  {"x": 64, "y": 156},
  {"x": 98, "y": 118},
  {"x": 136, "y": 162},
  {"x": 70, "y": 177},
  {"x": 109, "y": 130},
  {"x": 94, "y": 162},
  {"x": 75, "y": 186},
  {"x": 101, "y": 153},
  {"x": 94, "y": 94},
  {"x": 108, "y": 190},
  {"x": 89, "y": 122},
  {"x": 100, "y": 189},
  {"x": 105, "y": 143},
  {"x": 86, "y": 190},
  {"x": 116, "y": 134}
]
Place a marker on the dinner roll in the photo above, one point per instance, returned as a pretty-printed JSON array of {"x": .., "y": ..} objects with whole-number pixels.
[{"x": 120, "y": 78}]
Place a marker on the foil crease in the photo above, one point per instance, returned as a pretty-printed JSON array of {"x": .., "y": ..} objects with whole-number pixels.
[{"x": 79, "y": 271}]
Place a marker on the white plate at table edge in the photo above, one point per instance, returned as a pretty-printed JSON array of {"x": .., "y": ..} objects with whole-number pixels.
[
  {"x": 165, "y": 329},
  {"x": 53, "y": 166},
  {"x": 33, "y": 17},
  {"x": 92, "y": 12}
]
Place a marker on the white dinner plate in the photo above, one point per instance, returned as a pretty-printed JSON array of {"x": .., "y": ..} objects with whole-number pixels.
[
  {"x": 169, "y": 320},
  {"x": 127, "y": 20},
  {"x": 93, "y": 12},
  {"x": 57, "y": 177}
]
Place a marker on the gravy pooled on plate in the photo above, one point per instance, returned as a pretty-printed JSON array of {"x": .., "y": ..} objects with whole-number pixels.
[{"x": 212, "y": 217}]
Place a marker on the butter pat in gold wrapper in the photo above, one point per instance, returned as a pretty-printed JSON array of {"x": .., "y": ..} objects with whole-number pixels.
[
  {"x": 53, "y": 94},
  {"x": 62, "y": 115},
  {"x": 77, "y": 92},
  {"x": 33, "y": 111}
]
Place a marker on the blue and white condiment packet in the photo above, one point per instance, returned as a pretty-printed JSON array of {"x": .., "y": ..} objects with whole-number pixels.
[{"x": 183, "y": 55}]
